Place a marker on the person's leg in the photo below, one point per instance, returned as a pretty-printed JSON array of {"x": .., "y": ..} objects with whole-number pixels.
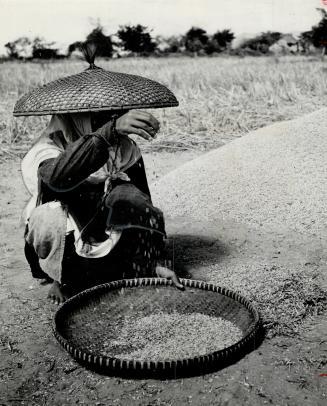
[
  {"x": 74, "y": 272},
  {"x": 33, "y": 261}
]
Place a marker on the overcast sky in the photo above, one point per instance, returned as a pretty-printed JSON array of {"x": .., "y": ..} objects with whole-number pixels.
[{"x": 66, "y": 21}]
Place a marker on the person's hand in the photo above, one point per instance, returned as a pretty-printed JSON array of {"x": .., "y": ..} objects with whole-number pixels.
[
  {"x": 167, "y": 273},
  {"x": 138, "y": 122}
]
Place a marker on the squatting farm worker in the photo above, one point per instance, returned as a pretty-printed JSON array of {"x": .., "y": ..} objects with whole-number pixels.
[{"x": 90, "y": 218}]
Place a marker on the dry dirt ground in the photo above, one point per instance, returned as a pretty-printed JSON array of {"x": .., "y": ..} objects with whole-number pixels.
[{"x": 35, "y": 370}]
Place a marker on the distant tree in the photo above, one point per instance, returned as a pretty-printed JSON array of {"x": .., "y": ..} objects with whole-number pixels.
[
  {"x": 212, "y": 47},
  {"x": 173, "y": 44},
  {"x": 136, "y": 38},
  {"x": 104, "y": 44},
  {"x": 196, "y": 40},
  {"x": 77, "y": 45},
  {"x": 102, "y": 41},
  {"x": 224, "y": 38},
  {"x": 219, "y": 42},
  {"x": 43, "y": 50},
  {"x": 176, "y": 44},
  {"x": 262, "y": 42},
  {"x": 319, "y": 32},
  {"x": 20, "y": 48},
  {"x": 305, "y": 41},
  {"x": 46, "y": 53}
]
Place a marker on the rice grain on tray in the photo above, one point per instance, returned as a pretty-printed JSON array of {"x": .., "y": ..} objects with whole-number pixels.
[{"x": 165, "y": 336}]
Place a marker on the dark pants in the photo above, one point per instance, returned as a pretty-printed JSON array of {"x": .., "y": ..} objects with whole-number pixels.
[{"x": 135, "y": 254}]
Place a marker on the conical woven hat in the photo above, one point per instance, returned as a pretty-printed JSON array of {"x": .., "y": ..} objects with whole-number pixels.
[{"x": 95, "y": 90}]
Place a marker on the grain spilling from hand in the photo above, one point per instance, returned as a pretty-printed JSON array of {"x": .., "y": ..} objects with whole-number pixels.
[{"x": 174, "y": 336}]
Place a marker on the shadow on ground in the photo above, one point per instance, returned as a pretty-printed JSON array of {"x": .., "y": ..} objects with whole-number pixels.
[{"x": 187, "y": 251}]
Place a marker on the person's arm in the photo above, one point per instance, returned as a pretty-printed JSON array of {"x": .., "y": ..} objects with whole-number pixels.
[
  {"x": 88, "y": 154},
  {"x": 80, "y": 159}
]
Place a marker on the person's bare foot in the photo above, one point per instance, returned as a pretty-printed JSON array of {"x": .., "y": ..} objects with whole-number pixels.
[
  {"x": 56, "y": 294},
  {"x": 46, "y": 281}
]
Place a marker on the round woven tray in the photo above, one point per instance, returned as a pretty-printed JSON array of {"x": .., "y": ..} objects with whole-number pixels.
[{"x": 77, "y": 332}]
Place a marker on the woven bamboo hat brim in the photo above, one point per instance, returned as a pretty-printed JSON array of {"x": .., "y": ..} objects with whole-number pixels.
[{"x": 95, "y": 90}]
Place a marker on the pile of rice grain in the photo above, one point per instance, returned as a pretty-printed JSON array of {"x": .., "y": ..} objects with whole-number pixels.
[
  {"x": 164, "y": 336},
  {"x": 263, "y": 199},
  {"x": 274, "y": 178}
]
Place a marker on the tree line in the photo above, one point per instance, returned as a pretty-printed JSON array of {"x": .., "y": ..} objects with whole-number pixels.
[{"x": 136, "y": 40}]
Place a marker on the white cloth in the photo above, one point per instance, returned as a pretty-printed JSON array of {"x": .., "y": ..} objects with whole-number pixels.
[
  {"x": 73, "y": 127},
  {"x": 96, "y": 249}
]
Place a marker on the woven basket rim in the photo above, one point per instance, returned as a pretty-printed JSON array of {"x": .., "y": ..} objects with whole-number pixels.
[{"x": 118, "y": 365}]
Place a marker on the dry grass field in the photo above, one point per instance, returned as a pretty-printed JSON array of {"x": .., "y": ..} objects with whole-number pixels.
[{"x": 220, "y": 98}]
